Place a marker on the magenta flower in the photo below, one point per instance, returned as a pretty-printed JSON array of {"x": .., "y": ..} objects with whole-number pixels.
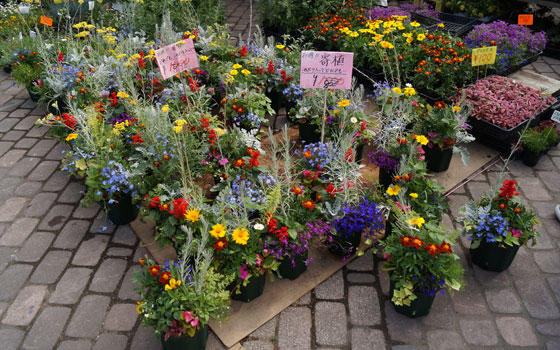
[
  {"x": 223, "y": 161},
  {"x": 188, "y": 316},
  {"x": 516, "y": 233},
  {"x": 194, "y": 322},
  {"x": 243, "y": 273}
]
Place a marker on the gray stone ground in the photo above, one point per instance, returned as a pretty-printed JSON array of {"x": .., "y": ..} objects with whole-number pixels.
[{"x": 65, "y": 270}]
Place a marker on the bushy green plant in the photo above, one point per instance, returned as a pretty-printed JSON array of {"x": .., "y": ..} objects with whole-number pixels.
[
  {"x": 26, "y": 74},
  {"x": 539, "y": 139},
  {"x": 481, "y": 8}
]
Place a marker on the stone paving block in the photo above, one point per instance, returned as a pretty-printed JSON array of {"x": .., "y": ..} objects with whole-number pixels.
[
  {"x": 108, "y": 275},
  {"x": 25, "y": 143},
  {"x": 503, "y": 301},
  {"x": 42, "y": 148},
  {"x": 267, "y": 331},
  {"x": 40, "y": 204},
  {"x": 258, "y": 345},
  {"x": 3, "y": 307},
  {"x": 549, "y": 328},
  {"x": 553, "y": 345},
  {"x": 88, "y": 212},
  {"x": 58, "y": 152},
  {"x": 491, "y": 280},
  {"x": 361, "y": 278},
  {"x": 51, "y": 267},
  {"x": 76, "y": 345},
  {"x": 102, "y": 224},
  {"x": 523, "y": 265},
  {"x": 121, "y": 317},
  {"x": 10, "y": 338},
  {"x": 127, "y": 287},
  {"x": 44, "y": 170},
  {"x": 124, "y": 235},
  {"x": 455, "y": 202},
  {"x": 441, "y": 314},
  {"x": 543, "y": 242},
  {"x": 57, "y": 181},
  {"x": 469, "y": 301},
  {"x": 550, "y": 179},
  {"x": 554, "y": 283},
  {"x": 516, "y": 331},
  {"x": 90, "y": 251},
  {"x": 11, "y": 157},
  {"x": 363, "y": 304},
  {"x": 545, "y": 210},
  {"x": 56, "y": 218},
  {"x": 7, "y": 124},
  {"x": 367, "y": 339},
  {"x": 552, "y": 227},
  {"x": 88, "y": 317},
  {"x": 72, "y": 234},
  {"x": 304, "y": 300},
  {"x": 332, "y": 288},
  {"x": 18, "y": 232},
  {"x": 549, "y": 261},
  {"x": 294, "y": 329},
  {"x": 22, "y": 111},
  {"x": 402, "y": 328},
  {"x": 444, "y": 340},
  {"x": 145, "y": 339},
  {"x": 477, "y": 189},
  {"x": 362, "y": 263},
  {"x": 28, "y": 189},
  {"x": 37, "y": 132},
  {"x": 537, "y": 299},
  {"x": 5, "y": 146},
  {"x": 119, "y": 252},
  {"x": 545, "y": 164},
  {"x": 26, "y": 305},
  {"x": 111, "y": 341},
  {"x": 73, "y": 193},
  {"x": 479, "y": 332},
  {"x": 11, "y": 208},
  {"x": 26, "y": 123},
  {"x": 13, "y": 135},
  {"x": 533, "y": 189},
  {"x": 8, "y": 186},
  {"x": 47, "y": 328},
  {"x": 11, "y": 105},
  {"x": 23, "y": 166},
  {"x": 71, "y": 286},
  {"x": 7, "y": 254},
  {"x": 330, "y": 323}
]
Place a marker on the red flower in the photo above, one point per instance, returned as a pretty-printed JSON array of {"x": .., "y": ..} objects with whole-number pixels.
[
  {"x": 309, "y": 204},
  {"x": 297, "y": 190},
  {"x": 416, "y": 243},
  {"x": 204, "y": 123},
  {"x": 137, "y": 139},
  {"x": 349, "y": 155},
  {"x": 212, "y": 136},
  {"x": 445, "y": 248},
  {"x": 69, "y": 120},
  {"x": 270, "y": 68},
  {"x": 180, "y": 206},
  {"x": 60, "y": 57},
  {"x": 193, "y": 84},
  {"x": 154, "y": 270},
  {"x": 406, "y": 241},
  {"x": 164, "y": 207},
  {"x": 254, "y": 161},
  {"x": 220, "y": 244},
  {"x": 517, "y": 210},
  {"x": 155, "y": 202},
  {"x": 282, "y": 234},
  {"x": 272, "y": 225},
  {"x": 331, "y": 190},
  {"x": 239, "y": 163},
  {"x": 433, "y": 249},
  {"x": 508, "y": 190},
  {"x": 440, "y": 104},
  {"x": 502, "y": 206},
  {"x": 164, "y": 277},
  {"x": 243, "y": 51}
]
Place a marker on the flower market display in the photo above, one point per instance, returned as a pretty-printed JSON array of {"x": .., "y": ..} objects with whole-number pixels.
[{"x": 189, "y": 145}]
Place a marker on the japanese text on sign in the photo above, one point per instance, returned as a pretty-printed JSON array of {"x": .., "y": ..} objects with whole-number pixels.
[
  {"x": 525, "y": 20},
  {"x": 556, "y": 116},
  {"x": 176, "y": 58},
  {"x": 484, "y": 56},
  {"x": 326, "y": 70},
  {"x": 46, "y": 21}
]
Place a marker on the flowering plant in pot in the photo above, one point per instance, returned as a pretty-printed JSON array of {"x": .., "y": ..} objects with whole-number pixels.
[
  {"x": 179, "y": 298},
  {"x": 536, "y": 141},
  {"x": 497, "y": 225}
]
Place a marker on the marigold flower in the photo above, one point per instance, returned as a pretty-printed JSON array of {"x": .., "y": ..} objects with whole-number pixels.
[
  {"x": 417, "y": 221},
  {"x": 165, "y": 108},
  {"x": 397, "y": 90},
  {"x": 204, "y": 58},
  {"x": 192, "y": 215},
  {"x": 344, "y": 103},
  {"x": 280, "y": 46},
  {"x": 309, "y": 204},
  {"x": 393, "y": 190},
  {"x": 154, "y": 270},
  {"x": 421, "y": 139},
  {"x": 173, "y": 284},
  {"x": 240, "y": 236},
  {"x": 71, "y": 136},
  {"x": 413, "y": 195},
  {"x": 233, "y": 72},
  {"x": 218, "y": 231},
  {"x": 220, "y": 244},
  {"x": 421, "y": 37},
  {"x": 237, "y": 66}
]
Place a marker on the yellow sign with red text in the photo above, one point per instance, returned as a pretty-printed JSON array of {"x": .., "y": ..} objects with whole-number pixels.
[{"x": 484, "y": 56}]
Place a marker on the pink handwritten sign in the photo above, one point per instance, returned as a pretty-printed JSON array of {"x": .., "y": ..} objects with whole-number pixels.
[
  {"x": 323, "y": 69},
  {"x": 176, "y": 58}
]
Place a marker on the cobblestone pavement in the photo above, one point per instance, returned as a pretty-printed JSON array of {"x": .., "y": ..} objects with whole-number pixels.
[{"x": 65, "y": 270}]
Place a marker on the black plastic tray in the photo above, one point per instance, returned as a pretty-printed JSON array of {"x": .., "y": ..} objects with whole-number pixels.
[
  {"x": 514, "y": 69},
  {"x": 365, "y": 76},
  {"x": 456, "y": 25}
]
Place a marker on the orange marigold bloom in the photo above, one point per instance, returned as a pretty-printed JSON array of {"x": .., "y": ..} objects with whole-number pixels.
[
  {"x": 154, "y": 270},
  {"x": 417, "y": 243},
  {"x": 433, "y": 249},
  {"x": 309, "y": 204}
]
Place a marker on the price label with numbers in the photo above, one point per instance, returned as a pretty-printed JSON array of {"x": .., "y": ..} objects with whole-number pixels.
[
  {"x": 556, "y": 116},
  {"x": 484, "y": 55},
  {"x": 525, "y": 20},
  {"x": 46, "y": 21},
  {"x": 326, "y": 70},
  {"x": 176, "y": 58}
]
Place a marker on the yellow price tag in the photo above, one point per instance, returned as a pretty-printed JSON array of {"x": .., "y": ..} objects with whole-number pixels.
[{"x": 484, "y": 56}]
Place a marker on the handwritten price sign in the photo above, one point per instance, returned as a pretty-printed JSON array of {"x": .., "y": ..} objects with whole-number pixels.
[
  {"x": 484, "y": 56},
  {"x": 176, "y": 58},
  {"x": 525, "y": 20},
  {"x": 326, "y": 70},
  {"x": 46, "y": 21},
  {"x": 556, "y": 116}
]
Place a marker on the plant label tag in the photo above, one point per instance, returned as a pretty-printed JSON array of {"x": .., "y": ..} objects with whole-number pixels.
[
  {"x": 484, "y": 55},
  {"x": 176, "y": 58},
  {"x": 91, "y": 5},
  {"x": 32, "y": 34},
  {"x": 525, "y": 20},
  {"x": 556, "y": 116},
  {"x": 326, "y": 70},
  {"x": 383, "y": 3},
  {"x": 438, "y": 5},
  {"x": 46, "y": 21}
]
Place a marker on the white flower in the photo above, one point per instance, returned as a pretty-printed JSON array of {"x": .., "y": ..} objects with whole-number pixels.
[
  {"x": 409, "y": 85},
  {"x": 258, "y": 227},
  {"x": 354, "y": 120}
]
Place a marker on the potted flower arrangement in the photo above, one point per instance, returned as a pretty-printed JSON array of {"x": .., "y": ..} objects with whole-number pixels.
[
  {"x": 421, "y": 263},
  {"x": 178, "y": 299},
  {"x": 497, "y": 225},
  {"x": 536, "y": 141},
  {"x": 517, "y": 45},
  {"x": 446, "y": 128}
]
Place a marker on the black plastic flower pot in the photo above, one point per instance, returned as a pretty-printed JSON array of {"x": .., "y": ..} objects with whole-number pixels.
[
  {"x": 359, "y": 153},
  {"x": 418, "y": 307},
  {"x": 309, "y": 133},
  {"x": 437, "y": 160},
  {"x": 530, "y": 158},
  {"x": 287, "y": 270},
  {"x": 122, "y": 211},
  {"x": 490, "y": 256},
  {"x": 252, "y": 290},
  {"x": 345, "y": 244},
  {"x": 385, "y": 178},
  {"x": 35, "y": 96},
  {"x": 197, "y": 342}
]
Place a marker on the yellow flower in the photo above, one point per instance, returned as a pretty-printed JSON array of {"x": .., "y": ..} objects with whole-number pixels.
[
  {"x": 219, "y": 131},
  {"x": 280, "y": 46},
  {"x": 122, "y": 94},
  {"x": 180, "y": 42},
  {"x": 393, "y": 190},
  {"x": 386, "y": 45},
  {"x": 218, "y": 231},
  {"x": 165, "y": 108},
  {"x": 441, "y": 25},
  {"x": 246, "y": 72},
  {"x": 240, "y": 236},
  {"x": 121, "y": 55},
  {"x": 71, "y": 136},
  {"x": 409, "y": 91},
  {"x": 204, "y": 58},
  {"x": 82, "y": 34},
  {"x": 421, "y": 37},
  {"x": 344, "y": 103},
  {"x": 409, "y": 40},
  {"x": 172, "y": 284},
  {"x": 132, "y": 102},
  {"x": 229, "y": 78},
  {"x": 139, "y": 307},
  {"x": 456, "y": 109},
  {"x": 354, "y": 34},
  {"x": 233, "y": 72},
  {"x": 415, "y": 24},
  {"x": 397, "y": 90},
  {"x": 237, "y": 66},
  {"x": 417, "y": 221},
  {"x": 413, "y": 195},
  {"x": 192, "y": 215},
  {"x": 421, "y": 139}
]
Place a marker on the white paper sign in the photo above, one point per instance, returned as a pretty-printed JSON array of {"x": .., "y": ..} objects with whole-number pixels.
[
  {"x": 91, "y": 5},
  {"x": 556, "y": 116},
  {"x": 32, "y": 34},
  {"x": 383, "y": 3},
  {"x": 24, "y": 10}
]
